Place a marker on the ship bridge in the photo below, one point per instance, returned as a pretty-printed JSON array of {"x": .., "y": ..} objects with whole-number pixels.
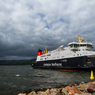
[{"x": 85, "y": 46}]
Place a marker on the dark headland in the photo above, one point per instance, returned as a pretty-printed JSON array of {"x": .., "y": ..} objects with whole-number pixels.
[{"x": 17, "y": 62}]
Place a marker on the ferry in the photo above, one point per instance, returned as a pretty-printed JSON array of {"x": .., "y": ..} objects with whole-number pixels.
[{"x": 76, "y": 56}]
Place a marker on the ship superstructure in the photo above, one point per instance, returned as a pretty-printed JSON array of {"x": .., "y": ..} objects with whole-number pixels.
[{"x": 76, "y": 56}]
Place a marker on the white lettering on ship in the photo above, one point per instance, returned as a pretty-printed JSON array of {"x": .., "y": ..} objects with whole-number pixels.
[
  {"x": 52, "y": 64},
  {"x": 46, "y": 64}
]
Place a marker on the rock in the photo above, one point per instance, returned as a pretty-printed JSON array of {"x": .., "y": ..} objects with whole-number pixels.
[
  {"x": 22, "y": 94},
  {"x": 67, "y": 88},
  {"x": 71, "y": 92},
  {"x": 85, "y": 94},
  {"x": 91, "y": 87},
  {"x": 75, "y": 84},
  {"x": 29, "y": 94},
  {"x": 84, "y": 88},
  {"x": 93, "y": 93},
  {"x": 79, "y": 86},
  {"x": 58, "y": 89},
  {"x": 41, "y": 93},
  {"x": 88, "y": 93},
  {"x": 59, "y": 93},
  {"x": 75, "y": 89},
  {"x": 48, "y": 92},
  {"x": 77, "y": 94},
  {"x": 65, "y": 92},
  {"x": 80, "y": 83},
  {"x": 32, "y": 93},
  {"x": 53, "y": 91}
]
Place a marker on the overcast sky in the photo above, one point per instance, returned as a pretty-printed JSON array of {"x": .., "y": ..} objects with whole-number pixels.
[{"x": 26, "y": 24}]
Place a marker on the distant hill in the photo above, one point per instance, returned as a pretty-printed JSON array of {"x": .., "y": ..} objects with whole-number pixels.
[{"x": 17, "y": 62}]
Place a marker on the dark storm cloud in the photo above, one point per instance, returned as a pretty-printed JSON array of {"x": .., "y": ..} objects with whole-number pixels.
[{"x": 26, "y": 25}]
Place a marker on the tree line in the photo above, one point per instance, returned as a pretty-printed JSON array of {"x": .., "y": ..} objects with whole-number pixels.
[{"x": 17, "y": 62}]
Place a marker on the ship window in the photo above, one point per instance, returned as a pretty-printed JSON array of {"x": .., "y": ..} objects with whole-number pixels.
[
  {"x": 41, "y": 59},
  {"x": 88, "y": 49},
  {"x": 89, "y": 45},
  {"x": 48, "y": 55},
  {"x": 71, "y": 45},
  {"x": 75, "y": 45},
  {"x": 80, "y": 45},
  {"x": 83, "y": 45},
  {"x": 88, "y": 60},
  {"x": 43, "y": 56}
]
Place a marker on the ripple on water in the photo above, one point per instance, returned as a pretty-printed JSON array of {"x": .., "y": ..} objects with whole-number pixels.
[{"x": 17, "y": 75}]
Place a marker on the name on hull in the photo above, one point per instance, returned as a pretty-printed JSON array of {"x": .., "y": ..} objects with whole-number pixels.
[{"x": 52, "y": 64}]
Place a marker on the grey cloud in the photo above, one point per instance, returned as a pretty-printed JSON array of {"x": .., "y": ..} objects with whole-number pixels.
[{"x": 26, "y": 25}]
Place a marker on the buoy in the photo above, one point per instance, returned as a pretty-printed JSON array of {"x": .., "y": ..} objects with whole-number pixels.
[{"x": 92, "y": 77}]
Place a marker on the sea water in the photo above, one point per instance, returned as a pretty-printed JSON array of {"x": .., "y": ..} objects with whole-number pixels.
[{"x": 15, "y": 79}]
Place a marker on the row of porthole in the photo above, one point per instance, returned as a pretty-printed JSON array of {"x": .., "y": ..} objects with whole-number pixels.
[
  {"x": 79, "y": 65},
  {"x": 78, "y": 54},
  {"x": 64, "y": 60},
  {"x": 86, "y": 65},
  {"x": 56, "y": 53}
]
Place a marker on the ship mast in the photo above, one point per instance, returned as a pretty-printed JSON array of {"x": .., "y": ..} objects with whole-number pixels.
[
  {"x": 45, "y": 47},
  {"x": 80, "y": 39}
]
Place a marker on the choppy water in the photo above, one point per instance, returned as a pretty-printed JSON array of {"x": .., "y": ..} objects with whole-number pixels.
[{"x": 15, "y": 79}]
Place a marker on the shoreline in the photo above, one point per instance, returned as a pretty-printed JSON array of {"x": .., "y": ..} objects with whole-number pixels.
[{"x": 75, "y": 89}]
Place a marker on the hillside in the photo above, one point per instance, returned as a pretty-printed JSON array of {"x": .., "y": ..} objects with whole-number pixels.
[{"x": 17, "y": 62}]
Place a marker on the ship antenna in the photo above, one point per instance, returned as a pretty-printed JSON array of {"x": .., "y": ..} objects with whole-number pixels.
[
  {"x": 45, "y": 47},
  {"x": 80, "y": 39}
]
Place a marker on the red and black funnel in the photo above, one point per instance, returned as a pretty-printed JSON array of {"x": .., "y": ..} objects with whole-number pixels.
[{"x": 39, "y": 52}]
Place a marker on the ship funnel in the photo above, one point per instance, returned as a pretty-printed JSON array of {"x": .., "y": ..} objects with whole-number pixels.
[{"x": 39, "y": 52}]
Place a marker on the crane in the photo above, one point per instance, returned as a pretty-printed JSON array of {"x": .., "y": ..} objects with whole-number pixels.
[
  {"x": 45, "y": 48},
  {"x": 80, "y": 39}
]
